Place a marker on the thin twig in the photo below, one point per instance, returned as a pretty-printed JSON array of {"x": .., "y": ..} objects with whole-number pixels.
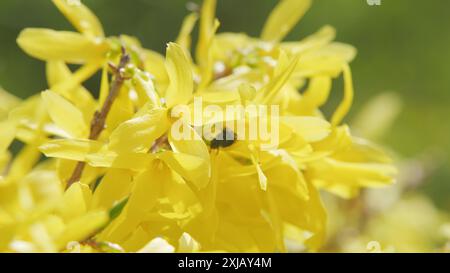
[
  {"x": 158, "y": 143},
  {"x": 99, "y": 118}
]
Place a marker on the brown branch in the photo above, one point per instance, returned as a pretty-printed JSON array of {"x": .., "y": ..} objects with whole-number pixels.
[
  {"x": 99, "y": 118},
  {"x": 163, "y": 140}
]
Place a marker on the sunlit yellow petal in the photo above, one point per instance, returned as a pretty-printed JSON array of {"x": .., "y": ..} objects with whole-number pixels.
[
  {"x": 76, "y": 201},
  {"x": 327, "y": 60},
  {"x": 73, "y": 80},
  {"x": 157, "y": 245},
  {"x": 317, "y": 93},
  {"x": 180, "y": 75},
  {"x": 283, "y": 18},
  {"x": 80, "y": 16},
  {"x": 322, "y": 37},
  {"x": 58, "y": 73},
  {"x": 155, "y": 64},
  {"x": 8, "y": 129},
  {"x": 47, "y": 44},
  {"x": 72, "y": 149},
  {"x": 194, "y": 146},
  {"x": 83, "y": 227},
  {"x": 192, "y": 168},
  {"x": 346, "y": 103},
  {"x": 65, "y": 114},
  {"x": 146, "y": 90},
  {"x": 187, "y": 244},
  {"x": 139, "y": 133},
  {"x": 7, "y": 102},
  {"x": 309, "y": 128},
  {"x": 206, "y": 31},
  {"x": 285, "y": 70},
  {"x": 346, "y": 178},
  {"x": 184, "y": 37},
  {"x": 114, "y": 186}
]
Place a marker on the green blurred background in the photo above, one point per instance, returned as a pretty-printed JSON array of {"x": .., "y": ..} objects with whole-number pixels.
[{"x": 403, "y": 46}]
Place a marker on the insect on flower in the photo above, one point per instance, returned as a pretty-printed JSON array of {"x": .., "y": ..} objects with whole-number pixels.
[{"x": 224, "y": 139}]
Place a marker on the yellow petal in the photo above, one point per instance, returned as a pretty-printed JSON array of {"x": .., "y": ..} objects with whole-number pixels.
[
  {"x": 283, "y": 18},
  {"x": 311, "y": 129},
  {"x": 194, "y": 146},
  {"x": 5, "y": 158},
  {"x": 58, "y": 73},
  {"x": 72, "y": 149},
  {"x": 317, "y": 93},
  {"x": 139, "y": 133},
  {"x": 344, "y": 51},
  {"x": 312, "y": 218},
  {"x": 327, "y": 60},
  {"x": 146, "y": 90},
  {"x": 180, "y": 75},
  {"x": 184, "y": 37},
  {"x": 83, "y": 227},
  {"x": 361, "y": 150},
  {"x": 157, "y": 245},
  {"x": 80, "y": 16},
  {"x": 66, "y": 167},
  {"x": 286, "y": 173},
  {"x": 146, "y": 190},
  {"x": 284, "y": 71},
  {"x": 122, "y": 110},
  {"x": 346, "y": 103},
  {"x": 192, "y": 168},
  {"x": 127, "y": 161},
  {"x": 24, "y": 162},
  {"x": 73, "y": 80},
  {"x": 7, "y": 234},
  {"x": 187, "y": 244},
  {"x": 7, "y": 102},
  {"x": 206, "y": 32},
  {"x": 226, "y": 42},
  {"x": 41, "y": 239},
  {"x": 65, "y": 115},
  {"x": 76, "y": 201},
  {"x": 261, "y": 176},
  {"x": 247, "y": 92},
  {"x": 154, "y": 64},
  {"x": 275, "y": 220},
  {"x": 114, "y": 186},
  {"x": 71, "y": 47},
  {"x": 346, "y": 178},
  {"x": 8, "y": 129},
  {"x": 204, "y": 226},
  {"x": 104, "y": 85},
  {"x": 321, "y": 38},
  {"x": 339, "y": 140},
  {"x": 222, "y": 98}
]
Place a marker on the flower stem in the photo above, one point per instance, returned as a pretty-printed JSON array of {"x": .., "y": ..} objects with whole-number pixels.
[{"x": 99, "y": 118}]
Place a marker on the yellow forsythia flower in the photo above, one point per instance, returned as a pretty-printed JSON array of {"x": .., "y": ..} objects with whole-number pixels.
[{"x": 142, "y": 188}]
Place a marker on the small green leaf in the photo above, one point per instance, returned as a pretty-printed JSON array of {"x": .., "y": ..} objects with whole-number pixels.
[{"x": 117, "y": 209}]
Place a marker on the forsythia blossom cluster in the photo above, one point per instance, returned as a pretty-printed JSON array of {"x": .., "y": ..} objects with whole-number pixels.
[{"x": 109, "y": 174}]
